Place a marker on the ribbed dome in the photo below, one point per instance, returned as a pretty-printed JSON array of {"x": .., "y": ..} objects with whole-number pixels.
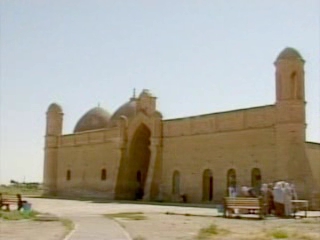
[
  {"x": 96, "y": 118},
  {"x": 289, "y": 53},
  {"x": 128, "y": 109},
  {"x": 54, "y": 107}
]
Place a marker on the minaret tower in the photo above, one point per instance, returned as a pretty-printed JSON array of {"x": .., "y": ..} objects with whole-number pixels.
[
  {"x": 292, "y": 164},
  {"x": 53, "y": 132},
  {"x": 290, "y": 99}
]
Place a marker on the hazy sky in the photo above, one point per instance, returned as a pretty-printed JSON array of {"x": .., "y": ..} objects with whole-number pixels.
[{"x": 196, "y": 56}]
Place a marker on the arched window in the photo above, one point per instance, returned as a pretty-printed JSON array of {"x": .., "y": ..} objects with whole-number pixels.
[
  {"x": 256, "y": 180},
  {"x": 207, "y": 185},
  {"x": 103, "y": 174},
  {"x": 68, "y": 175},
  {"x": 231, "y": 178},
  {"x": 176, "y": 183},
  {"x": 294, "y": 87}
]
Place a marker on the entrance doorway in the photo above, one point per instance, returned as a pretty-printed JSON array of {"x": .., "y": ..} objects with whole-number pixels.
[
  {"x": 231, "y": 182},
  {"x": 256, "y": 180},
  {"x": 134, "y": 168},
  {"x": 207, "y": 185}
]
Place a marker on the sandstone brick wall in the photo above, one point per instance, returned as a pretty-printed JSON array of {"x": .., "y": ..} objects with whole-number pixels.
[
  {"x": 313, "y": 153},
  {"x": 86, "y": 155},
  {"x": 242, "y": 140}
]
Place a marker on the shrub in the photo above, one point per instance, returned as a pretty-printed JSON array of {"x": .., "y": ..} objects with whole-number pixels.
[
  {"x": 127, "y": 215},
  {"x": 279, "y": 234},
  {"x": 212, "y": 230},
  {"x": 17, "y": 215}
]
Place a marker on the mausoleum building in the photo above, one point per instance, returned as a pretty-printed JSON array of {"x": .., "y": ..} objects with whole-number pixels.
[{"x": 135, "y": 151}]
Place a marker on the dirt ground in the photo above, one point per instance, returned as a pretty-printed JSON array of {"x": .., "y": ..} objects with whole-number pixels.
[
  {"x": 158, "y": 226},
  {"x": 162, "y": 226},
  {"x": 31, "y": 230}
]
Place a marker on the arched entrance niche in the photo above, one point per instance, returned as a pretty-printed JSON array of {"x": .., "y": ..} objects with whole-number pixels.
[
  {"x": 207, "y": 185},
  {"x": 231, "y": 180},
  {"x": 256, "y": 180},
  {"x": 133, "y": 170}
]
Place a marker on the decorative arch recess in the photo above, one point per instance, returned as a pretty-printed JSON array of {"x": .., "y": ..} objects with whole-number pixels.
[
  {"x": 256, "y": 179},
  {"x": 207, "y": 185},
  {"x": 231, "y": 178},
  {"x": 103, "y": 174},
  {"x": 68, "y": 175}
]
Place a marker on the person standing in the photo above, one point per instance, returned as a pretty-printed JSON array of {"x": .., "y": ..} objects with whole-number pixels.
[
  {"x": 264, "y": 196},
  {"x": 270, "y": 199},
  {"x": 232, "y": 192},
  {"x": 287, "y": 199},
  {"x": 293, "y": 192},
  {"x": 278, "y": 199}
]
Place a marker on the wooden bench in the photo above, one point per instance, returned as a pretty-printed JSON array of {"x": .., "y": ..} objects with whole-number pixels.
[
  {"x": 253, "y": 205},
  {"x": 300, "y": 205},
  {"x": 7, "y": 200}
]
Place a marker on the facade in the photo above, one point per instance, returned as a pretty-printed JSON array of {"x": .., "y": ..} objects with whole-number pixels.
[{"x": 136, "y": 153}]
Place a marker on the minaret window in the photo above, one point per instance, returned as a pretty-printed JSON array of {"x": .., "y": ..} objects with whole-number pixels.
[{"x": 294, "y": 87}]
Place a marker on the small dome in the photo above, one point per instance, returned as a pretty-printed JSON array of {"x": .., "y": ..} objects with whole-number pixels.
[
  {"x": 145, "y": 92},
  {"x": 54, "y": 107},
  {"x": 96, "y": 118},
  {"x": 128, "y": 109},
  {"x": 289, "y": 53}
]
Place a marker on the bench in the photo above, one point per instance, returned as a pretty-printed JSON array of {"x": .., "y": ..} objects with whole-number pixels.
[
  {"x": 253, "y": 205},
  {"x": 7, "y": 200},
  {"x": 300, "y": 205}
]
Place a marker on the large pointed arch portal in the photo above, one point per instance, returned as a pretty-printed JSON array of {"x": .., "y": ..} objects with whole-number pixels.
[{"x": 134, "y": 168}]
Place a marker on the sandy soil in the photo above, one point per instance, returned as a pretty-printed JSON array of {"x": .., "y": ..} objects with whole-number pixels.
[
  {"x": 162, "y": 226},
  {"x": 31, "y": 230}
]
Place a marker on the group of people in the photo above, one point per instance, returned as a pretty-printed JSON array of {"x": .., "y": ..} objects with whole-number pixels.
[{"x": 276, "y": 197}]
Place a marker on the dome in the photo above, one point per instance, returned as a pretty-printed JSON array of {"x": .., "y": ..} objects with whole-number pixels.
[
  {"x": 96, "y": 118},
  {"x": 128, "y": 109},
  {"x": 289, "y": 53},
  {"x": 54, "y": 107},
  {"x": 145, "y": 92}
]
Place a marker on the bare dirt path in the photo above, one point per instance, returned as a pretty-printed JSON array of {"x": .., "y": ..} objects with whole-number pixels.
[
  {"x": 157, "y": 223},
  {"x": 163, "y": 226},
  {"x": 31, "y": 230}
]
